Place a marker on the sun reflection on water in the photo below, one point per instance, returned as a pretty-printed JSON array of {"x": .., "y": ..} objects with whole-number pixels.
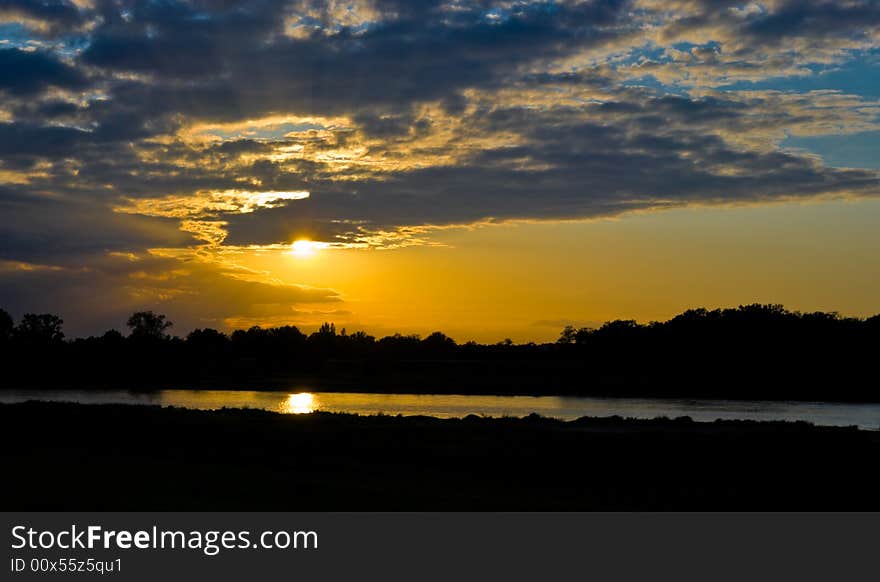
[{"x": 300, "y": 403}]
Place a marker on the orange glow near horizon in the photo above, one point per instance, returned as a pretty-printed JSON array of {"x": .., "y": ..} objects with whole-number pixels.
[{"x": 515, "y": 281}]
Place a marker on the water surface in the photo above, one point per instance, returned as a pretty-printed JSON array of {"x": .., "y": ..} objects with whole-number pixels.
[{"x": 451, "y": 406}]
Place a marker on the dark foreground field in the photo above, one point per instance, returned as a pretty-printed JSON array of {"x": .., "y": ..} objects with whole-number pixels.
[{"x": 67, "y": 456}]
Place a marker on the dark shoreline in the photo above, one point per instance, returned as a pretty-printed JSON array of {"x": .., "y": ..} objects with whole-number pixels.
[
  {"x": 752, "y": 352},
  {"x": 116, "y": 457}
]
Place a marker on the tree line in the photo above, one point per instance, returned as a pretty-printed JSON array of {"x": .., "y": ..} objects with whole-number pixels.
[{"x": 760, "y": 351}]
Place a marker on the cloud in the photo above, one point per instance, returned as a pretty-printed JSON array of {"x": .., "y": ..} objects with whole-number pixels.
[
  {"x": 28, "y": 73},
  {"x": 733, "y": 40},
  {"x": 51, "y": 230},
  {"x": 46, "y": 16},
  {"x": 415, "y": 51},
  {"x": 583, "y": 162},
  {"x": 198, "y": 125}
]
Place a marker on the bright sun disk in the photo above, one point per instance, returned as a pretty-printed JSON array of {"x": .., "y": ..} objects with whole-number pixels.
[
  {"x": 305, "y": 248},
  {"x": 301, "y": 403}
]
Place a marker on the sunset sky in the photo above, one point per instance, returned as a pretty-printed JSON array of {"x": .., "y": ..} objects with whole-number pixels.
[{"x": 491, "y": 169}]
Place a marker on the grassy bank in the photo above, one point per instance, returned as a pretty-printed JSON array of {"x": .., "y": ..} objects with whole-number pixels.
[{"x": 68, "y": 456}]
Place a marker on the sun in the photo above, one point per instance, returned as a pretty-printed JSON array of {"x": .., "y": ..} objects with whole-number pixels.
[
  {"x": 305, "y": 248},
  {"x": 301, "y": 403}
]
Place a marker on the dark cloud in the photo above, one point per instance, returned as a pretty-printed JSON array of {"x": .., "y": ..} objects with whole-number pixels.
[
  {"x": 177, "y": 39},
  {"x": 43, "y": 229},
  {"x": 815, "y": 19},
  {"x": 25, "y": 139},
  {"x": 418, "y": 54},
  {"x": 756, "y": 28},
  {"x": 28, "y": 73},
  {"x": 55, "y": 13}
]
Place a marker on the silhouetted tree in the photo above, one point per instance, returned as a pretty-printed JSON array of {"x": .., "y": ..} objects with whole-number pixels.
[
  {"x": 206, "y": 339},
  {"x": 112, "y": 336},
  {"x": 6, "y": 325},
  {"x": 327, "y": 329},
  {"x": 618, "y": 327},
  {"x": 438, "y": 345},
  {"x": 40, "y": 328},
  {"x": 289, "y": 335},
  {"x": 582, "y": 336},
  {"x": 400, "y": 346},
  {"x": 324, "y": 341},
  {"x": 361, "y": 344},
  {"x": 362, "y": 337},
  {"x": 751, "y": 351},
  {"x": 148, "y": 325},
  {"x": 252, "y": 341},
  {"x": 400, "y": 339},
  {"x": 438, "y": 341},
  {"x": 568, "y": 335}
]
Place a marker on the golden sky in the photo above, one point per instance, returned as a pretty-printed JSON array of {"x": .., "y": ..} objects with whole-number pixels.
[{"x": 527, "y": 280}]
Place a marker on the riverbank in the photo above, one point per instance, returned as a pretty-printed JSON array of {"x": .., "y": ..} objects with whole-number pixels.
[{"x": 111, "y": 457}]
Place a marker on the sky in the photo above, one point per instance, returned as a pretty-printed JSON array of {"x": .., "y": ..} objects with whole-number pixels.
[{"x": 489, "y": 169}]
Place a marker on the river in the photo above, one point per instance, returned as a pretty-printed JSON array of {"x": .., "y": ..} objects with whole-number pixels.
[{"x": 866, "y": 416}]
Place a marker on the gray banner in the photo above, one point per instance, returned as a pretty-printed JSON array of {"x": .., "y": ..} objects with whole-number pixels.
[{"x": 450, "y": 546}]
